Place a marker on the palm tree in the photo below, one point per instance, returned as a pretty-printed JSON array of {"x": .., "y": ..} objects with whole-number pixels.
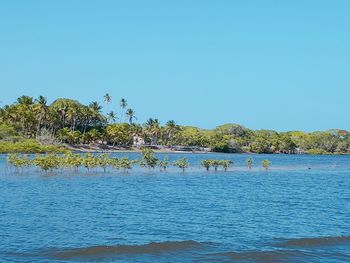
[
  {"x": 72, "y": 114},
  {"x": 111, "y": 116},
  {"x": 25, "y": 112},
  {"x": 86, "y": 118},
  {"x": 42, "y": 109},
  {"x": 123, "y": 104},
  {"x": 61, "y": 106},
  {"x": 95, "y": 110},
  {"x": 130, "y": 114},
  {"x": 95, "y": 106},
  {"x": 170, "y": 129},
  {"x": 152, "y": 130},
  {"x": 41, "y": 100},
  {"x": 25, "y": 100},
  {"x": 107, "y": 98}
]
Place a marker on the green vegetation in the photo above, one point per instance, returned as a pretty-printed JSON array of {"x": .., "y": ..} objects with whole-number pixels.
[
  {"x": 18, "y": 161},
  {"x": 225, "y": 164},
  {"x": 33, "y": 126},
  {"x": 28, "y": 146},
  {"x": 265, "y": 164},
  {"x": 104, "y": 161},
  {"x": 90, "y": 161},
  {"x": 163, "y": 164},
  {"x": 72, "y": 161},
  {"x": 207, "y": 164},
  {"x": 148, "y": 158},
  {"x": 93, "y": 162},
  {"x": 181, "y": 163},
  {"x": 49, "y": 162}
]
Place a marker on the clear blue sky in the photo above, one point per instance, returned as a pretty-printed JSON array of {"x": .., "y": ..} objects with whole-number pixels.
[{"x": 282, "y": 65}]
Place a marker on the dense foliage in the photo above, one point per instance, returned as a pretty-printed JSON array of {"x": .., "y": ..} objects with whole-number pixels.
[
  {"x": 30, "y": 125},
  {"x": 29, "y": 146}
]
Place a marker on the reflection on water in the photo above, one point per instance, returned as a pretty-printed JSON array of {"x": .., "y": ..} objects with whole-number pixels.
[{"x": 289, "y": 214}]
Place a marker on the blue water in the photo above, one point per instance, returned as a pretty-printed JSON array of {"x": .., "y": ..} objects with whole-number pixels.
[{"x": 298, "y": 211}]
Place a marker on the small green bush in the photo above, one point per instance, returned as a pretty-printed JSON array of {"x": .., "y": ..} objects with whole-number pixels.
[
  {"x": 163, "y": 164},
  {"x": 266, "y": 164},
  {"x": 48, "y": 162},
  {"x": 225, "y": 164},
  {"x": 182, "y": 163}
]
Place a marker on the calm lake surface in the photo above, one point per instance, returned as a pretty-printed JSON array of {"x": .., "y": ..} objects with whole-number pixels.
[{"x": 288, "y": 214}]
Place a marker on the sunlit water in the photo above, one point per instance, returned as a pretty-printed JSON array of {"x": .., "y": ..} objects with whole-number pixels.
[{"x": 299, "y": 211}]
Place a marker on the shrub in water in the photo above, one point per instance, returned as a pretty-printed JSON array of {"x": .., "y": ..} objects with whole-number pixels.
[
  {"x": 265, "y": 164},
  {"x": 104, "y": 161},
  {"x": 90, "y": 161},
  {"x": 225, "y": 164},
  {"x": 182, "y": 163},
  {"x": 207, "y": 164},
  {"x": 163, "y": 164},
  {"x": 47, "y": 162},
  {"x": 148, "y": 158},
  {"x": 249, "y": 163},
  {"x": 18, "y": 160},
  {"x": 127, "y": 164}
]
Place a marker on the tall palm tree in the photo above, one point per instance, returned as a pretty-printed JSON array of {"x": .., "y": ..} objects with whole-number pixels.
[
  {"x": 25, "y": 112},
  {"x": 95, "y": 106},
  {"x": 95, "y": 110},
  {"x": 123, "y": 104},
  {"x": 86, "y": 118},
  {"x": 61, "y": 107},
  {"x": 41, "y": 110},
  {"x": 111, "y": 116},
  {"x": 130, "y": 114},
  {"x": 170, "y": 129},
  {"x": 153, "y": 130},
  {"x": 107, "y": 98},
  {"x": 72, "y": 114}
]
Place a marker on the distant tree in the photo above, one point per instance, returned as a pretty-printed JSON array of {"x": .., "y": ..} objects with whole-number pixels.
[
  {"x": 111, "y": 116},
  {"x": 123, "y": 104},
  {"x": 120, "y": 134},
  {"x": 152, "y": 131},
  {"x": 107, "y": 98},
  {"x": 169, "y": 131},
  {"x": 130, "y": 114},
  {"x": 41, "y": 109}
]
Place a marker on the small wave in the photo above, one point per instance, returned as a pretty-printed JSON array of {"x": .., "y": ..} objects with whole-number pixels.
[
  {"x": 315, "y": 242},
  {"x": 107, "y": 251}
]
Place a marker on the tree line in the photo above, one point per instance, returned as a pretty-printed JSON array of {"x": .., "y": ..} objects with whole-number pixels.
[{"x": 67, "y": 121}]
